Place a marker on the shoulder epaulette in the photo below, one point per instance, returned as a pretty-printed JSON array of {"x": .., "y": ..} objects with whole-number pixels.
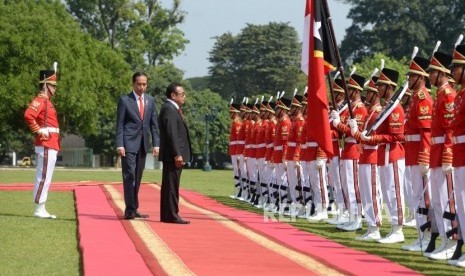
[
  {"x": 421, "y": 95},
  {"x": 447, "y": 91}
]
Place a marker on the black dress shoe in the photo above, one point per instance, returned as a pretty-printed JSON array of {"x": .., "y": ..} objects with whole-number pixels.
[
  {"x": 140, "y": 215},
  {"x": 177, "y": 221},
  {"x": 130, "y": 216}
]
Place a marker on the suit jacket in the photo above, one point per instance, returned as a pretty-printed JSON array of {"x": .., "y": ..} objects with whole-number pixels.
[
  {"x": 130, "y": 128},
  {"x": 174, "y": 135}
]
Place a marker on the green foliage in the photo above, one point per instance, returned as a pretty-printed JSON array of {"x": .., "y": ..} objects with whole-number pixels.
[
  {"x": 200, "y": 104},
  {"x": 260, "y": 59},
  {"x": 143, "y": 31},
  {"x": 368, "y": 64},
  {"x": 34, "y": 34},
  {"x": 394, "y": 27}
]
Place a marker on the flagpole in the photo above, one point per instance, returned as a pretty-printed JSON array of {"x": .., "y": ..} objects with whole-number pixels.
[
  {"x": 331, "y": 91},
  {"x": 338, "y": 56}
]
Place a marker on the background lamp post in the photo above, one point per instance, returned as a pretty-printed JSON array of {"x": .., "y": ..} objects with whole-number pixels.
[{"x": 209, "y": 117}]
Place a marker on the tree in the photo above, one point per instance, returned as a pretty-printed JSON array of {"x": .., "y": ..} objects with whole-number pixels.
[
  {"x": 260, "y": 59},
  {"x": 34, "y": 34},
  {"x": 394, "y": 27},
  {"x": 198, "y": 105},
  {"x": 143, "y": 31}
]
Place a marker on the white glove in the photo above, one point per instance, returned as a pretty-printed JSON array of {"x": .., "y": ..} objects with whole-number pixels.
[
  {"x": 43, "y": 133},
  {"x": 424, "y": 168},
  {"x": 353, "y": 126},
  {"x": 320, "y": 163},
  {"x": 335, "y": 117},
  {"x": 447, "y": 168},
  {"x": 364, "y": 136}
]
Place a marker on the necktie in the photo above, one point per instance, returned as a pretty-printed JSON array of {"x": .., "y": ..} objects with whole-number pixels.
[
  {"x": 141, "y": 107},
  {"x": 180, "y": 113}
]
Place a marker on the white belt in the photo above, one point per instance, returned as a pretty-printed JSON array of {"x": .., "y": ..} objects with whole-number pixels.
[
  {"x": 459, "y": 139},
  {"x": 350, "y": 140},
  {"x": 262, "y": 145},
  {"x": 312, "y": 144},
  {"x": 292, "y": 144},
  {"x": 370, "y": 147},
  {"x": 232, "y": 143},
  {"x": 438, "y": 140},
  {"x": 248, "y": 146},
  {"x": 334, "y": 139},
  {"x": 270, "y": 145},
  {"x": 241, "y": 142},
  {"x": 53, "y": 129},
  {"x": 278, "y": 148},
  {"x": 303, "y": 146},
  {"x": 412, "y": 138}
]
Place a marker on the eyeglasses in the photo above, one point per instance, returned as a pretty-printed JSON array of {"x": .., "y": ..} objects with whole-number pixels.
[{"x": 182, "y": 94}]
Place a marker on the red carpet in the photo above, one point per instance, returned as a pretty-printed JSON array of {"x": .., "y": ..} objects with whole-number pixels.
[
  {"x": 219, "y": 240},
  {"x": 105, "y": 246}
]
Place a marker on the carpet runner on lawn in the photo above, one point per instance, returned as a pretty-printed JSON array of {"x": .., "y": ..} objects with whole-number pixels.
[{"x": 226, "y": 241}]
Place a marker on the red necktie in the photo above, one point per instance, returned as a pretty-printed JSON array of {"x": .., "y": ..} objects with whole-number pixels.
[{"x": 141, "y": 107}]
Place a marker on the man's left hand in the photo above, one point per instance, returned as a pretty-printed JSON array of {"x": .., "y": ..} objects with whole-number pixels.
[{"x": 156, "y": 151}]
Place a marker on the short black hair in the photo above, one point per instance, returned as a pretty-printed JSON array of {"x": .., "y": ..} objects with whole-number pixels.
[
  {"x": 138, "y": 74},
  {"x": 171, "y": 89}
]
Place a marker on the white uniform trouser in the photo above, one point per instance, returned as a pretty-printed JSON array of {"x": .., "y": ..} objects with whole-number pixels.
[
  {"x": 459, "y": 182},
  {"x": 293, "y": 169},
  {"x": 235, "y": 164},
  {"x": 252, "y": 169},
  {"x": 348, "y": 168},
  {"x": 243, "y": 171},
  {"x": 46, "y": 159},
  {"x": 392, "y": 183},
  {"x": 267, "y": 177},
  {"x": 281, "y": 178},
  {"x": 335, "y": 182},
  {"x": 369, "y": 188},
  {"x": 319, "y": 184},
  {"x": 408, "y": 190},
  {"x": 419, "y": 191},
  {"x": 305, "y": 179},
  {"x": 261, "y": 173},
  {"x": 440, "y": 200}
]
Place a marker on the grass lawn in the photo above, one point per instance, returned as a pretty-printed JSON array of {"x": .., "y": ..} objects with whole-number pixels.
[{"x": 46, "y": 247}]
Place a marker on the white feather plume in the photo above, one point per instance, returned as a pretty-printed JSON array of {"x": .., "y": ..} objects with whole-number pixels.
[
  {"x": 55, "y": 66},
  {"x": 295, "y": 92},
  {"x": 459, "y": 40},
  {"x": 306, "y": 89},
  {"x": 438, "y": 43},
  {"x": 354, "y": 69},
  {"x": 231, "y": 102},
  {"x": 382, "y": 64},
  {"x": 415, "y": 52},
  {"x": 271, "y": 98}
]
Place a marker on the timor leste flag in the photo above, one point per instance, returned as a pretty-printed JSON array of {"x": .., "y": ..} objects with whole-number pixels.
[{"x": 318, "y": 58}]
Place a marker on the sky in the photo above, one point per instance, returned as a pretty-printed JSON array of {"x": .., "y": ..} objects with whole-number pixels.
[{"x": 207, "y": 19}]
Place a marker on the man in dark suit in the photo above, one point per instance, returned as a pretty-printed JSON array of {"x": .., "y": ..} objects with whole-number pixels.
[
  {"x": 136, "y": 124},
  {"x": 175, "y": 151}
]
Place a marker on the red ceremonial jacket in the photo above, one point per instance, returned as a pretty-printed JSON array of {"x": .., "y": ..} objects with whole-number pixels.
[
  {"x": 40, "y": 114},
  {"x": 269, "y": 139},
  {"x": 234, "y": 136},
  {"x": 441, "y": 126},
  {"x": 351, "y": 147},
  {"x": 293, "y": 144},
  {"x": 458, "y": 126},
  {"x": 418, "y": 128},
  {"x": 280, "y": 140}
]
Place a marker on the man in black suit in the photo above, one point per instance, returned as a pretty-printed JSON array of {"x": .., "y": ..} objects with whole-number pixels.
[
  {"x": 136, "y": 124},
  {"x": 175, "y": 151}
]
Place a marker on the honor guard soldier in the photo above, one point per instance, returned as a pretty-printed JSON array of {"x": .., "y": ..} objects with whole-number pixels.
[
  {"x": 351, "y": 152},
  {"x": 41, "y": 117},
  {"x": 458, "y": 162},
  {"x": 236, "y": 124},
  {"x": 417, "y": 150},
  {"x": 260, "y": 153},
  {"x": 280, "y": 149},
  {"x": 240, "y": 150},
  {"x": 269, "y": 175},
  {"x": 440, "y": 161},
  {"x": 368, "y": 170},
  {"x": 304, "y": 189},
  {"x": 334, "y": 175},
  {"x": 391, "y": 155},
  {"x": 250, "y": 152},
  {"x": 292, "y": 157}
]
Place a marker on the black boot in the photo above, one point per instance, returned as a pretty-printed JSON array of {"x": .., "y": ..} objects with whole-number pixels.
[
  {"x": 432, "y": 243},
  {"x": 458, "y": 250}
]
